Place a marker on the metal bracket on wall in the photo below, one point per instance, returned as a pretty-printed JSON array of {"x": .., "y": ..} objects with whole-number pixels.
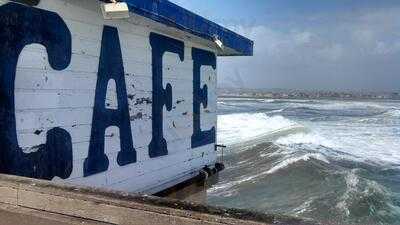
[{"x": 222, "y": 147}]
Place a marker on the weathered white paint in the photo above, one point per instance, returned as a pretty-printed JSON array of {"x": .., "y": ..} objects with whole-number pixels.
[{"x": 46, "y": 98}]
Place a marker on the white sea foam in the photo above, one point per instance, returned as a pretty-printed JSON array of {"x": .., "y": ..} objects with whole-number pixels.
[
  {"x": 303, "y": 208},
  {"x": 343, "y": 105},
  {"x": 306, "y": 138},
  {"x": 352, "y": 181},
  {"x": 268, "y": 100},
  {"x": 225, "y": 189},
  {"x": 394, "y": 113},
  {"x": 275, "y": 111},
  {"x": 289, "y": 161},
  {"x": 236, "y": 128},
  {"x": 359, "y": 189},
  {"x": 361, "y": 142}
]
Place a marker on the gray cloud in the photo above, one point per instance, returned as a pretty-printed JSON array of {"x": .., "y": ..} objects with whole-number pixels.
[{"x": 343, "y": 51}]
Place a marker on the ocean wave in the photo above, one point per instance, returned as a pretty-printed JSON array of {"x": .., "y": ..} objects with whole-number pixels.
[
  {"x": 393, "y": 113},
  {"x": 275, "y": 111},
  {"x": 334, "y": 112},
  {"x": 289, "y": 161},
  {"x": 390, "y": 116},
  {"x": 344, "y": 188},
  {"x": 343, "y": 105},
  {"x": 226, "y": 189},
  {"x": 237, "y": 128},
  {"x": 268, "y": 100},
  {"x": 304, "y": 208},
  {"x": 342, "y": 166},
  {"x": 351, "y": 181},
  {"x": 306, "y": 138},
  {"x": 285, "y": 162},
  {"x": 367, "y": 197},
  {"x": 360, "y": 147},
  {"x": 296, "y": 101}
]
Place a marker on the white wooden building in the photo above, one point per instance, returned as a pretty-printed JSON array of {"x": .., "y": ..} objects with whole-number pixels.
[{"x": 127, "y": 104}]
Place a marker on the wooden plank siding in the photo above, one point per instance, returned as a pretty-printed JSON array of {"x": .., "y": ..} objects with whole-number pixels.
[{"x": 46, "y": 98}]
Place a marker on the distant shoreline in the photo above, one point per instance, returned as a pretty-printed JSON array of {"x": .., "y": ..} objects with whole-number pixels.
[
  {"x": 308, "y": 98},
  {"x": 305, "y": 94}
]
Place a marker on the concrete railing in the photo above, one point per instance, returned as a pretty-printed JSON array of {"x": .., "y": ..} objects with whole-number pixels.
[{"x": 121, "y": 208}]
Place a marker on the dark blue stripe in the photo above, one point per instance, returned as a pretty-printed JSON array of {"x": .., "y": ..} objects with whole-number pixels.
[{"x": 170, "y": 14}]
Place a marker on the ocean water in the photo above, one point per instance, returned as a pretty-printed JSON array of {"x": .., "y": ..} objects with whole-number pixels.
[{"x": 337, "y": 162}]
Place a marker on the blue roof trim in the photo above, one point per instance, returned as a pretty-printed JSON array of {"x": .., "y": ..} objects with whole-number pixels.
[{"x": 170, "y": 14}]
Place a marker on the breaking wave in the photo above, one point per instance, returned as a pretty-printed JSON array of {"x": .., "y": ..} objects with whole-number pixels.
[
  {"x": 237, "y": 128},
  {"x": 393, "y": 113},
  {"x": 306, "y": 138},
  {"x": 287, "y": 162}
]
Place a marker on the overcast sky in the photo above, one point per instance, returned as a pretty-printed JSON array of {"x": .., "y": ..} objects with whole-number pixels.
[{"x": 310, "y": 44}]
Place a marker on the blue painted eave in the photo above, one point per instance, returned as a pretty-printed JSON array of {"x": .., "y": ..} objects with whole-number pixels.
[{"x": 170, "y": 14}]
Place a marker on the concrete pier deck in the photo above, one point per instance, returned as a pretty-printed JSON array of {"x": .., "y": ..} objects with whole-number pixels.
[
  {"x": 10, "y": 215},
  {"x": 29, "y": 201}
]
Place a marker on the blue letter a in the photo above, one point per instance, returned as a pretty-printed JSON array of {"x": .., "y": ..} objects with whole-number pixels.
[{"x": 110, "y": 67}]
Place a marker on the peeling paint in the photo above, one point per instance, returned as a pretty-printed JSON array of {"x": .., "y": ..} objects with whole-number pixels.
[
  {"x": 33, "y": 148},
  {"x": 110, "y": 135},
  {"x": 137, "y": 116},
  {"x": 38, "y": 132},
  {"x": 141, "y": 101},
  {"x": 49, "y": 120},
  {"x": 131, "y": 96}
]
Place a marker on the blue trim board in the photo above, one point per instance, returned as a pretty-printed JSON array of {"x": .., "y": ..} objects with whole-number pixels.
[{"x": 170, "y": 14}]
